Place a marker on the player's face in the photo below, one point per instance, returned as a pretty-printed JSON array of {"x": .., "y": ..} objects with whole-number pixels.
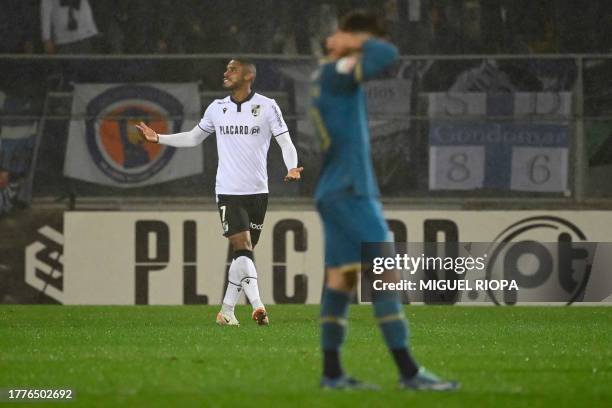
[{"x": 234, "y": 76}]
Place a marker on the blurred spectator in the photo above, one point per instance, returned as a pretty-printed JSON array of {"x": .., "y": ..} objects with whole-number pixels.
[
  {"x": 497, "y": 27},
  {"x": 603, "y": 27},
  {"x": 531, "y": 26},
  {"x": 4, "y": 176},
  {"x": 471, "y": 17},
  {"x": 407, "y": 25},
  {"x": 197, "y": 34},
  {"x": 323, "y": 22},
  {"x": 68, "y": 26},
  {"x": 249, "y": 26},
  {"x": 444, "y": 36},
  {"x": 17, "y": 135},
  {"x": 297, "y": 25},
  {"x": 392, "y": 20},
  {"x": 283, "y": 40},
  {"x": 9, "y": 187},
  {"x": 9, "y": 193},
  {"x": 134, "y": 27},
  {"x": 235, "y": 39},
  {"x": 584, "y": 26},
  {"x": 114, "y": 22},
  {"x": 17, "y": 26}
]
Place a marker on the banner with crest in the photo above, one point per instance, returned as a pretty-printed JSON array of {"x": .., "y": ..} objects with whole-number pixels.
[{"x": 104, "y": 146}]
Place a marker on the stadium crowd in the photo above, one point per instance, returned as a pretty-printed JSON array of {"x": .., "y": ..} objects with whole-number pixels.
[
  {"x": 298, "y": 27},
  {"x": 289, "y": 27}
]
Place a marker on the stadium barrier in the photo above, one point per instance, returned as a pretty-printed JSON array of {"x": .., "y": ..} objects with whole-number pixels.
[{"x": 181, "y": 258}]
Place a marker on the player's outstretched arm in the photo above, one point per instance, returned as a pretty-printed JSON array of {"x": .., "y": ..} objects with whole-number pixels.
[
  {"x": 184, "y": 139},
  {"x": 289, "y": 157}
]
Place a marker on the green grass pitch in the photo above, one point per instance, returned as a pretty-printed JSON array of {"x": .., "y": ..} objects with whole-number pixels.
[{"x": 157, "y": 356}]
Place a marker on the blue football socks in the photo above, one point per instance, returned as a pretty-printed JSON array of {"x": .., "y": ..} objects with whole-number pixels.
[
  {"x": 333, "y": 326},
  {"x": 390, "y": 316}
]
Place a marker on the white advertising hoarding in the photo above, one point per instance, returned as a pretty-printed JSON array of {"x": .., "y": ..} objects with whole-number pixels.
[{"x": 181, "y": 257}]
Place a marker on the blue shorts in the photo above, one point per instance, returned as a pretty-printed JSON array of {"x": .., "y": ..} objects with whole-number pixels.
[{"x": 348, "y": 221}]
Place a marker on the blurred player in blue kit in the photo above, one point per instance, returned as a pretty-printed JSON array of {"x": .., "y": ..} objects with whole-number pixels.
[{"x": 347, "y": 198}]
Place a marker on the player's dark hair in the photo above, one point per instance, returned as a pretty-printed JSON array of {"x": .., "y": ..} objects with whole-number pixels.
[
  {"x": 248, "y": 63},
  {"x": 362, "y": 20}
]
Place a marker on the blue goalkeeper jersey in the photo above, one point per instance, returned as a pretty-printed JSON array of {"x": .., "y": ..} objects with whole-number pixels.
[{"x": 338, "y": 111}]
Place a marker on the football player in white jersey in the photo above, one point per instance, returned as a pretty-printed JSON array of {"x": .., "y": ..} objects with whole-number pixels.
[{"x": 244, "y": 123}]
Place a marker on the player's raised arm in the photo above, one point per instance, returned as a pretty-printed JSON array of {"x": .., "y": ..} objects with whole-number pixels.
[
  {"x": 367, "y": 58},
  {"x": 183, "y": 139},
  {"x": 376, "y": 56},
  {"x": 358, "y": 52}
]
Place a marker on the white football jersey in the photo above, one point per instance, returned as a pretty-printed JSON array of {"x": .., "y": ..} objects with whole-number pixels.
[{"x": 244, "y": 131}]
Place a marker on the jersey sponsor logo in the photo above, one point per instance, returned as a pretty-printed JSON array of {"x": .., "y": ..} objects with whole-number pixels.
[
  {"x": 255, "y": 109},
  {"x": 236, "y": 130},
  {"x": 112, "y": 139},
  {"x": 255, "y": 130},
  {"x": 256, "y": 226}
]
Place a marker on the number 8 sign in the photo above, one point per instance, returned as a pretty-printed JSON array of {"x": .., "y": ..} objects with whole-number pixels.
[{"x": 456, "y": 168}]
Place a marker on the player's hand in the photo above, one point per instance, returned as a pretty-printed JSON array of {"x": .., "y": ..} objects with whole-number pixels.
[
  {"x": 294, "y": 174},
  {"x": 342, "y": 43},
  {"x": 149, "y": 134}
]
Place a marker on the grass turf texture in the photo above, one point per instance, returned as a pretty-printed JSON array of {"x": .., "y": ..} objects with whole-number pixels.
[{"x": 176, "y": 356}]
